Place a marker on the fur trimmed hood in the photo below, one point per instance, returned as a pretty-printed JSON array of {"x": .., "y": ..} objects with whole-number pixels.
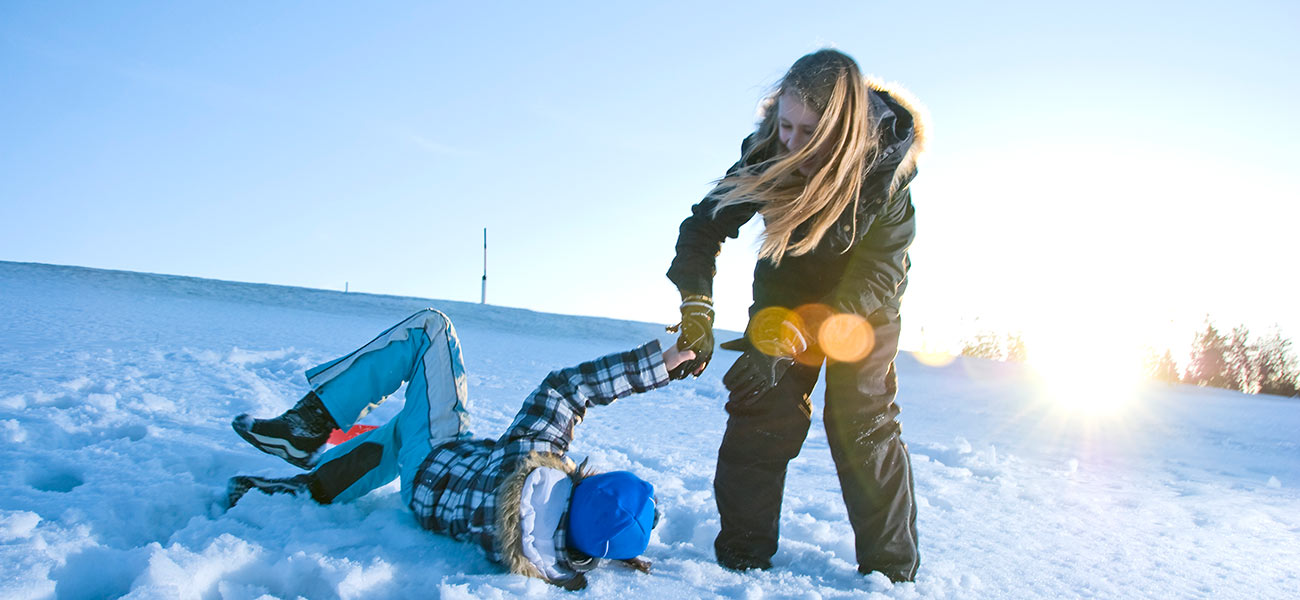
[
  {"x": 510, "y": 530},
  {"x": 908, "y": 127},
  {"x": 509, "y": 497}
]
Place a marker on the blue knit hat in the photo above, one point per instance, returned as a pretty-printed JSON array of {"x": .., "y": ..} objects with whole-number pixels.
[{"x": 611, "y": 515}]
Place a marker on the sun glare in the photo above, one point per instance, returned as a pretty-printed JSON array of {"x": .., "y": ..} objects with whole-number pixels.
[{"x": 1085, "y": 373}]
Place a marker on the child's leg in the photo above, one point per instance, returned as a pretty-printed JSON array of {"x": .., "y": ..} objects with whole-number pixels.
[
  {"x": 346, "y": 472},
  {"x": 424, "y": 351},
  {"x": 351, "y": 385},
  {"x": 437, "y": 407},
  {"x": 351, "y": 469}
]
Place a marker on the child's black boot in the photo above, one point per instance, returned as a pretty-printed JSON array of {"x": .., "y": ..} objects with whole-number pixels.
[
  {"x": 294, "y": 436},
  {"x": 239, "y": 485}
]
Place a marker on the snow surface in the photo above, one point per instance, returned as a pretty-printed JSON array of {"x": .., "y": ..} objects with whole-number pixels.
[{"x": 116, "y": 392}]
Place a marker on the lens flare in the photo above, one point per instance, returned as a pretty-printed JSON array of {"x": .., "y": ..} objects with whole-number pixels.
[
  {"x": 846, "y": 337},
  {"x": 931, "y": 358},
  {"x": 813, "y": 315},
  {"x": 769, "y": 333},
  {"x": 814, "y": 332}
]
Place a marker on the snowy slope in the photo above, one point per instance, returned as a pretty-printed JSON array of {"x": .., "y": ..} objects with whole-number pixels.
[{"x": 116, "y": 391}]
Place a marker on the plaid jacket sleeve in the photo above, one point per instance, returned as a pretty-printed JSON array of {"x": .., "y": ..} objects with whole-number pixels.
[{"x": 545, "y": 422}]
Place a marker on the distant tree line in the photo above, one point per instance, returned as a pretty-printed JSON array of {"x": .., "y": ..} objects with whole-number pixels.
[
  {"x": 1230, "y": 361},
  {"x": 1235, "y": 362}
]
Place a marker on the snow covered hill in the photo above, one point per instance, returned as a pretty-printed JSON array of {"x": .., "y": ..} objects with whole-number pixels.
[{"x": 116, "y": 392}]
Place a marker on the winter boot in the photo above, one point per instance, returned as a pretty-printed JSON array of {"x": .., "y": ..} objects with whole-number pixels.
[
  {"x": 239, "y": 485},
  {"x": 739, "y": 562},
  {"x": 294, "y": 436}
]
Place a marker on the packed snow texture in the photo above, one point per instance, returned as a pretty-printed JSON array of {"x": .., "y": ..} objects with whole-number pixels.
[{"x": 117, "y": 390}]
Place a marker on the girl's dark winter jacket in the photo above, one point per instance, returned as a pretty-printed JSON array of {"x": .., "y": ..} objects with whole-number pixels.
[{"x": 861, "y": 264}]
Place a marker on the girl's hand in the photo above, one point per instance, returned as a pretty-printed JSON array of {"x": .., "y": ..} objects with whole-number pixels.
[{"x": 674, "y": 357}]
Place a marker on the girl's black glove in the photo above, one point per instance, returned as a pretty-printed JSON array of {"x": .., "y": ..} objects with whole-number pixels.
[
  {"x": 764, "y": 361},
  {"x": 696, "y": 335}
]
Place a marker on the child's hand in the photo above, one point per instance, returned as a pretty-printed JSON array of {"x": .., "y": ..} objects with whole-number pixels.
[{"x": 674, "y": 357}]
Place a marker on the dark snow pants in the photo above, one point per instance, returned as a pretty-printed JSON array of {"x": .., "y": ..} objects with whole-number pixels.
[{"x": 871, "y": 459}]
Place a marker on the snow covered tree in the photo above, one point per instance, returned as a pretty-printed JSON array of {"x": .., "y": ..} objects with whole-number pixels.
[
  {"x": 1209, "y": 364},
  {"x": 1275, "y": 367},
  {"x": 1161, "y": 367},
  {"x": 985, "y": 345},
  {"x": 1014, "y": 351},
  {"x": 1240, "y": 359}
]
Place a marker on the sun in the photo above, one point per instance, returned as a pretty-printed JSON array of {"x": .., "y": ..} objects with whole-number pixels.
[{"x": 1085, "y": 371}]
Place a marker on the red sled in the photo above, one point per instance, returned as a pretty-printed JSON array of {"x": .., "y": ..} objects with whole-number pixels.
[{"x": 338, "y": 436}]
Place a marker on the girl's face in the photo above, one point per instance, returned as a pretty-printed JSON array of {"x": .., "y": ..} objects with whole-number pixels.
[{"x": 795, "y": 123}]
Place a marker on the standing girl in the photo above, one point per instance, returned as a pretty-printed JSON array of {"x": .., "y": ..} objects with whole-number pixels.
[{"x": 828, "y": 168}]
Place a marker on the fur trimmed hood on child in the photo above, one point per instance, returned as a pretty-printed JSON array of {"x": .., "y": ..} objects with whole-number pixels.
[{"x": 532, "y": 522}]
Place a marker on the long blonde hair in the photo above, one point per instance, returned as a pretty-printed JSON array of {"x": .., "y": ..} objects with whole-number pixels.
[{"x": 829, "y": 82}]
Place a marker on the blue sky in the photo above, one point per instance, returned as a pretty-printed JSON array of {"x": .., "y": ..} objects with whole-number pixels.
[{"x": 1109, "y": 169}]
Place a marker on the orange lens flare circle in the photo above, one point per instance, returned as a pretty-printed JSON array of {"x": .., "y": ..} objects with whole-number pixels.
[
  {"x": 846, "y": 338},
  {"x": 769, "y": 333},
  {"x": 776, "y": 331},
  {"x": 934, "y": 359},
  {"x": 813, "y": 315}
]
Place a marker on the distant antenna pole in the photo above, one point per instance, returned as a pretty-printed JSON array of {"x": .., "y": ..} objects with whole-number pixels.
[{"x": 483, "y": 297}]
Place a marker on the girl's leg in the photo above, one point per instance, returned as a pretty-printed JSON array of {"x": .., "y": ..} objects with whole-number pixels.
[
  {"x": 759, "y": 443},
  {"x": 871, "y": 459},
  {"x": 422, "y": 350}
]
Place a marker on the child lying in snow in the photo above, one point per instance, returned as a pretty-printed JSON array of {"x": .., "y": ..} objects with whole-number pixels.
[{"x": 518, "y": 496}]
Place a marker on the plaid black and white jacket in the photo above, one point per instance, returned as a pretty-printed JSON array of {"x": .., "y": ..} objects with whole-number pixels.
[{"x": 459, "y": 486}]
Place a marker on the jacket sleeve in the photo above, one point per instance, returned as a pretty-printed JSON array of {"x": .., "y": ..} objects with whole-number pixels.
[
  {"x": 546, "y": 421},
  {"x": 878, "y": 262},
  {"x": 700, "y": 237}
]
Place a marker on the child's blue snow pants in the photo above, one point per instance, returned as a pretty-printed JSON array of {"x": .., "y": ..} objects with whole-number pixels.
[{"x": 421, "y": 351}]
